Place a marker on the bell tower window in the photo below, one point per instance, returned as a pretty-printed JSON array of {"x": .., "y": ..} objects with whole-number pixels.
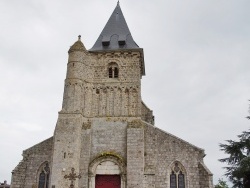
[
  {"x": 113, "y": 71},
  {"x": 110, "y": 72},
  {"x": 116, "y": 72}
]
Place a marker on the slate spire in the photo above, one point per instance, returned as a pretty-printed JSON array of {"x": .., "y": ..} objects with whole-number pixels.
[{"x": 116, "y": 34}]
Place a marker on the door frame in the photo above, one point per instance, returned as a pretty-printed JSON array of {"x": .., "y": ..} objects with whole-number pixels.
[{"x": 116, "y": 159}]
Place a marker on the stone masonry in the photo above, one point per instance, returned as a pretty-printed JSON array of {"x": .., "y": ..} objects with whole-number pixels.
[{"x": 104, "y": 127}]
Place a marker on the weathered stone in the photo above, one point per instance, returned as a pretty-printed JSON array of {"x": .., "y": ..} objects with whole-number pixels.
[{"x": 104, "y": 127}]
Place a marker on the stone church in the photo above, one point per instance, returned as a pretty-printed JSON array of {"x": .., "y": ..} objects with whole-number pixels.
[{"x": 105, "y": 135}]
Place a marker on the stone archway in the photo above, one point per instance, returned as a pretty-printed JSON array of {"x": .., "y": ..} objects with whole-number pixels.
[{"x": 108, "y": 164}]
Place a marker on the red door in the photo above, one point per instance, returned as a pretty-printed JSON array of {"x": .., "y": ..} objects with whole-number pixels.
[{"x": 108, "y": 181}]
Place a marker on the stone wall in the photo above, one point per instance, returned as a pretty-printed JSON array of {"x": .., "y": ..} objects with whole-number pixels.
[
  {"x": 104, "y": 115},
  {"x": 85, "y": 153},
  {"x": 67, "y": 148},
  {"x": 135, "y": 154},
  {"x": 90, "y": 91},
  {"x": 25, "y": 175},
  {"x": 147, "y": 114},
  {"x": 163, "y": 150},
  {"x": 206, "y": 177},
  {"x": 108, "y": 135}
]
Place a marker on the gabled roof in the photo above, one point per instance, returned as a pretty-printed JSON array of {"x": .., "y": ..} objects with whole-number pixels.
[{"x": 115, "y": 35}]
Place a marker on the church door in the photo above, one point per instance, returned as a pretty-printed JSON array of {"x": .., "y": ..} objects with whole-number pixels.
[{"x": 108, "y": 181}]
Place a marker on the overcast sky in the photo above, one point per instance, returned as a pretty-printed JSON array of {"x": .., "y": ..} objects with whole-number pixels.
[{"x": 196, "y": 57}]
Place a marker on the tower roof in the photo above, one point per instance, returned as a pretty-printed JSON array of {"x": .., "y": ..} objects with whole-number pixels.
[
  {"x": 115, "y": 35},
  {"x": 77, "y": 46}
]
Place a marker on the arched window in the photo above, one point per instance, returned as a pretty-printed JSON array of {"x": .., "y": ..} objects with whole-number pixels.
[
  {"x": 177, "y": 177},
  {"x": 43, "y": 173},
  {"x": 113, "y": 71}
]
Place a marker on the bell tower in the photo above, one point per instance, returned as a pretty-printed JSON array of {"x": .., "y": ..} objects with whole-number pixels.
[
  {"x": 102, "y": 93},
  {"x": 119, "y": 66},
  {"x": 105, "y": 81}
]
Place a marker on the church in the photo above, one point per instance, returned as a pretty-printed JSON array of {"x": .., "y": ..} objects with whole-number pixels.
[{"x": 105, "y": 135}]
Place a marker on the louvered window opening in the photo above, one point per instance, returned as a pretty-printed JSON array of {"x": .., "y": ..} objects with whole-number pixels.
[{"x": 113, "y": 72}]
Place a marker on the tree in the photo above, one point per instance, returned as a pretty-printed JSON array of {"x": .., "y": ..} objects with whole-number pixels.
[
  {"x": 238, "y": 169},
  {"x": 221, "y": 184}
]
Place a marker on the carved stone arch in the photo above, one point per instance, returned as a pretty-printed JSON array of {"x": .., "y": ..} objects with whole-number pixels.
[
  {"x": 67, "y": 83},
  {"x": 133, "y": 101},
  {"x": 105, "y": 90},
  {"x": 111, "y": 158},
  {"x": 43, "y": 169},
  {"x": 41, "y": 166},
  {"x": 107, "y": 157},
  {"x": 78, "y": 83},
  {"x": 134, "y": 90},
  {"x": 114, "y": 60},
  {"x": 176, "y": 169},
  {"x": 126, "y": 90},
  {"x": 179, "y": 164},
  {"x": 119, "y": 89}
]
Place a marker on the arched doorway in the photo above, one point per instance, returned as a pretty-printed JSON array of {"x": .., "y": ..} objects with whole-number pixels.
[{"x": 107, "y": 172}]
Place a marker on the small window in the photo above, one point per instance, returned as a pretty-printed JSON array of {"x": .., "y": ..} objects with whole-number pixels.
[{"x": 113, "y": 71}]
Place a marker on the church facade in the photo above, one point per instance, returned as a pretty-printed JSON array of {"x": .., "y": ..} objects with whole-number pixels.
[{"x": 105, "y": 134}]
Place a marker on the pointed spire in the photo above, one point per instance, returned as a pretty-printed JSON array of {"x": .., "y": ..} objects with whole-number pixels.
[{"x": 116, "y": 34}]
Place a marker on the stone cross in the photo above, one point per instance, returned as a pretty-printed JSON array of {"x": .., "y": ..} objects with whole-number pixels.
[{"x": 72, "y": 177}]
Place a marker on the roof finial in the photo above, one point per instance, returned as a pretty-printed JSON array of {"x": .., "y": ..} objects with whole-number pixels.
[
  {"x": 79, "y": 37},
  {"x": 118, "y": 2}
]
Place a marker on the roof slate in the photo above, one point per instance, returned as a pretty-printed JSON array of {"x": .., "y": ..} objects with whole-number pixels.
[{"x": 115, "y": 35}]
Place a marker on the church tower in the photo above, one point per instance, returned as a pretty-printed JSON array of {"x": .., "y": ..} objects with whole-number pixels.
[
  {"x": 102, "y": 95},
  {"x": 105, "y": 134}
]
